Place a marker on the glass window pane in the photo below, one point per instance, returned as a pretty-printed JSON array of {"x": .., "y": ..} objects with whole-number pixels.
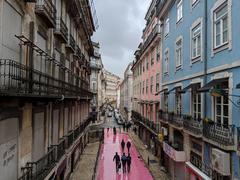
[
  {"x": 225, "y": 121},
  {"x": 225, "y": 110},
  {"x": 218, "y": 120},
  {"x": 221, "y": 11}
]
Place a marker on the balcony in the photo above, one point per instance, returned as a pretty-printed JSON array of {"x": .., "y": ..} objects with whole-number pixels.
[
  {"x": 193, "y": 126},
  {"x": 61, "y": 30},
  {"x": 60, "y": 149},
  {"x": 78, "y": 52},
  {"x": 176, "y": 120},
  {"x": 19, "y": 80},
  {"x": 154, "y": 36},
  {"x": 71, "y": 43},
  {"x": 196, "y": 162},
  {"x": 46, "y": 9},
  {"x": 174, "y": 154},
  {"x": 220, "y": 135},
  {"x": 42, "y": 167}
]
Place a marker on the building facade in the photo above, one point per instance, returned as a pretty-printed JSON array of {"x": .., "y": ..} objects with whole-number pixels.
[
  {"x": 146, "y": 76},
  {"x": 200, "y": 95},
  {"x": 95, "y": 79},
  {"x": 112, "y": 82},
  {"x": 126, "y": 93},
  {"x": 44, "y": 86}
]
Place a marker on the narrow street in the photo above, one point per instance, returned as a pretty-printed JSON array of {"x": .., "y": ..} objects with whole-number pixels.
[{"x": 106, "y": 166}]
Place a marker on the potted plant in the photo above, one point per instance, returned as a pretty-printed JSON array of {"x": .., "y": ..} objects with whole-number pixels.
[
  {"x": 209, "y": 121},
  {"x": 187, "y": 117}
]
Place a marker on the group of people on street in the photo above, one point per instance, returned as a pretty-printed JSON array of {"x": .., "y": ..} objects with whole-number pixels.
[{"x": 126, "y": 160}]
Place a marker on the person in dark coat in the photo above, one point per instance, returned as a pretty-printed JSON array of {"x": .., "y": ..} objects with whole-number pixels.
[
  {"x": 114, "y": 130},
  {"x": 124, "y": 162},
  {"x": 124, "y": 126},
  {"x": 128, "y": 146},
  {"x": 129, "y": 161},
  {"x": 122, "y": 145},
  {"x": 116, "y": 158}
]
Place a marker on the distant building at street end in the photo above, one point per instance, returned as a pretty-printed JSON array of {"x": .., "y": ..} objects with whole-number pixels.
[
  {"x": 126, "y": 90},
  {"x": 112, "y": 82}
]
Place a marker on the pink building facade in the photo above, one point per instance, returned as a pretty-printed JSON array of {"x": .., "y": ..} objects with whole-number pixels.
[{"x": 147, "y": 77}]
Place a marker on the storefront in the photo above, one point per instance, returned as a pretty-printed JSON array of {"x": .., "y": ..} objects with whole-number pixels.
[{"x": 175, "y": 162}]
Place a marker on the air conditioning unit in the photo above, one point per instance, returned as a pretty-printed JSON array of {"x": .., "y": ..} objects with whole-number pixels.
[{"x": 221, "y": 162}]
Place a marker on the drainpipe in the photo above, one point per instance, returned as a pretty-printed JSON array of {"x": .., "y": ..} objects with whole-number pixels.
[{"x": 205, "y": 56}]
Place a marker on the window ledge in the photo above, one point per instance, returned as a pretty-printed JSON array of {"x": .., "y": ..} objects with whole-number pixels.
[
  {"x": 196, "y": 59},
  {"x": 221, "y": 48},
  {"x": 195, "y": 4},
  {"x": 178, "y": 68}
]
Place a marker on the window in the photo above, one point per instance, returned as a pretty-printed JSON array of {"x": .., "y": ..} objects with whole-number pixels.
[
  {"x": 152, "y": 57},
  {"x": 158, "y": 53},
  {"x": 166, "y": 61},
  {"x": 179, "y": 10},
  {"x": 178, "y": 101},
  {"x": 143, "y": 87},
  {"x": 140, "y": 89},
  {"x": 179, "y": 54},
  {"x": 221, "y": 26},
  {"x": 196, "y": 103},
  {"x": 147, "y": 63},
  {"x": 151, "y": 88},
  {"x": 143, "y": 67},
  {"x": 221, "y": 106},
  {"x": 196, "y": 41},
  {"x": 157, "y": 82},
  {"x": 165, "y": 100},
  {"x": 166, "y": 29},
  {"x": 146, "y": 86}
]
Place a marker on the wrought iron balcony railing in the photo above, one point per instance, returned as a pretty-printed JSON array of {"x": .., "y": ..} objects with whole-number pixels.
[
  {"x": 220, "y": 133},
  {"x": 61, "y": 29},
  {"x": 176, "y": 120},
  {"x": 26, "y": 173},
  {"x": 43, "y": 166},
  {"x": 19, "y": 80},
  {"x": 47, "y": 10},
  {"x": 70, "y": 139},
  {"x": 60, "y": 149},
  {"x": 194, "y": 126},
  {"x": 200, "y": 165}
]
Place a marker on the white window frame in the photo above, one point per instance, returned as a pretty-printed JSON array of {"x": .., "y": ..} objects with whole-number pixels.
[
  {"x": 198, "y": 97},
  {"x": 166, "y": 61},
  {"x": 178, "y": 102},
  {"x": 179, "y": 53},
  {"x": 228, "y": 45},
  {"x": 167, "y": 26},
  {"x": 179, "y": 10},
  {"x": 220, "y": 20},
  {"x": 196, "y": 33}
]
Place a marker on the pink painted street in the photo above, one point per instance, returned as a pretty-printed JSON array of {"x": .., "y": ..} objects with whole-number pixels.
[{"x": 106, "y": 167}]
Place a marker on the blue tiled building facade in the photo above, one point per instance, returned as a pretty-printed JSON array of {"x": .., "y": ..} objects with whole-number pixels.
[{"x": 200, "y": 95}]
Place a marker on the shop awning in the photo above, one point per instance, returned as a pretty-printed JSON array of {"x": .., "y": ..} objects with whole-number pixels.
[
  {"x": 238, "y": 86},
  {"x": 210, "y": 84},
  {"x": 188, "y": 87}
]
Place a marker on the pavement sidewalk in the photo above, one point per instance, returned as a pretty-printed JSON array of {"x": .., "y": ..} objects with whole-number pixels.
[
  {"x": 85, "y": 167},
  {"x": 154, "y": 168}
]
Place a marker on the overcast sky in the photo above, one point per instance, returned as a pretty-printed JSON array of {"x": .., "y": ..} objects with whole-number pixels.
[{"x": 120, "y": 28}]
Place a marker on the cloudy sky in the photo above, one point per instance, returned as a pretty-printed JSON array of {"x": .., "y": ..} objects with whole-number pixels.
[{"x": 120, "y": 28}]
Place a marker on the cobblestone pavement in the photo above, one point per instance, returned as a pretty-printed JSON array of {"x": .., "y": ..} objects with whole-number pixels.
[
  {"x": 85, "y": 167},
  {"x": 154, "y": 168}
]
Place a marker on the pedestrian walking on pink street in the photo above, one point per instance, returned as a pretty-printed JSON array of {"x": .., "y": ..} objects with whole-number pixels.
[
  {"x": 116, "y": 158},
  {"x": 128, "y": 146},
  {"x": 124, "y": 162},
  {"x": 129, "y": 161},
  {"x": 123, "y": 145}
]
